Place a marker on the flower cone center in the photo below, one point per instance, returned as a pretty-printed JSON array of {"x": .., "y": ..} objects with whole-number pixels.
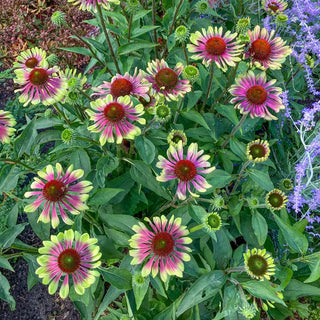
[
  {"x": 31, "y": 62},
  {"x": 69, "y": 260},
  {"x": 214, "y": 221},
  {"x": 215, "y": 46},
  {"x": 176, "y": 138},
  {"x": 185, "y": 170},
  {"x": 114, "y": 112},
  {"x": 273, "y": 6},
  {"x": 257, "y": 151},
  {"x": 257, "y": 95},
  {"x": 260, "y": 49},
  {"x": 38, "y": 76},
  {"x": 276, "y": 200},
  {"x": 54, "y": 190},
  {"x": 258, "y": 265},
  {"x": 121, "y": 87},
  {"x": 162, "y": 244},
  {"x": 167, "y": 78}
]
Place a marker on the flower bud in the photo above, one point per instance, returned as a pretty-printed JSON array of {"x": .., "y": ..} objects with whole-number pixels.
[
  {"x": 181, "y": 34},
  {"x": 58, "y": 18}
]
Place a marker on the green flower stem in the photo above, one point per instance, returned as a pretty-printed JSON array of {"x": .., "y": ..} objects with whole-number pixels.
[
  {"x": 13, "y": 161},
  {"x": 75, "y": 33},
  {"x": 167, "y": 205},
  {"x": 209, "y": 87},
  {"x": 93, "y": 142},
  {"x": 143, "y": 4},
  {"x": 293, "y": 75},
  {"x": 204, "y": 200},
  {"x": 185, "y": 53},
  {"x": 230, "y": 81},
  {"x": 129, "y": 28},
  {"x": 196, "y": 228},
  {"x": 235, "y": 129},
  {"x": 154, "y": 23},
  {"x": 235, "y": 269},
  {"x": 27, "y": 250},
  {"x": 175, "y": 17},
  {"x": 85, "y": 94},
  {"x": 147, "y": 127},
  {"x": 240, "y": 176},
  {"x": 306, "y": 258},
  {"x": 178, "y": 112},
  {"x": 61, "y": 114},
  {"x": 107, "y": 37},
  {"x": 92, "y": 221}
]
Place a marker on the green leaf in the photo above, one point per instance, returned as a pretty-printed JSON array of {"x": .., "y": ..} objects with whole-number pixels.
[
  {"x": 238, "y": 148},
  {"x": 193, "y": 98},
  {"x": 42, "y": 230},
  {"x": 120, "y": 222},
  {"x": 119, "y": 278},
  {"x": 260, "y": 227},
  {"x": 222, "y": 251},
  {"x": 105, "y": 165},
  {"x": 135, "y": 46},
  {"x": 4, "y": 292},
  {"x": 9, "y": 177},
  {"x": 139, "y": 31},
  {"x": 262, "y": 289},
  {"x": 197, "y": 213},
  {"x": 206, "y": 287},
  {"x": 195, "y": 116},
  {"x": 145, "y": 148},
  {"x": 8, "y": 236},
  {"x": 32, "y": 279},
  {"x": 4, "y": 263},
  {"x": 112, "y": 294},
  {"x": 295, "y": 239},
  {"x": 24, "y": 142},
  {"x": 79, "y": 50},
  {"x": 141, "y": 173},
  {"x": 140, "y": 290},
  {"x": 314, "y": 265},
  {"x": 47, "y": 136},
  {"x": 81, "y": 160},
  {"x": 261, "y": 178},
  {"x": 218, "y": 179},
  {"x": 284, "y": 274},
  {"x": 229, "y": 112},
  {"x": 103, "y": 196},
  {"x": 296, "y": 289}
]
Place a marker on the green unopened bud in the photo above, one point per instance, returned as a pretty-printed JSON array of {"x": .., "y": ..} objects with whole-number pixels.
[
  {"x": 281, "y": 20},
  {"x": 58, "y": 18},
  {"x": 286, "y": 184},
  {"x": 253, "y": 202},
  {"x": 53, "y": 59},
  {"x": 162, "y": 113},
  {"x": 202, "y": 7},
  {"x": 181, "y": 34},
  {"x": 248, "y": 311},
  {"x": 243, "y": 25},
  {"x": 191, "y": 73},
  {"x": 218, "y": 202},
  {"x": 67, "y": 136},
  {"x": 138, "y": 280}
]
